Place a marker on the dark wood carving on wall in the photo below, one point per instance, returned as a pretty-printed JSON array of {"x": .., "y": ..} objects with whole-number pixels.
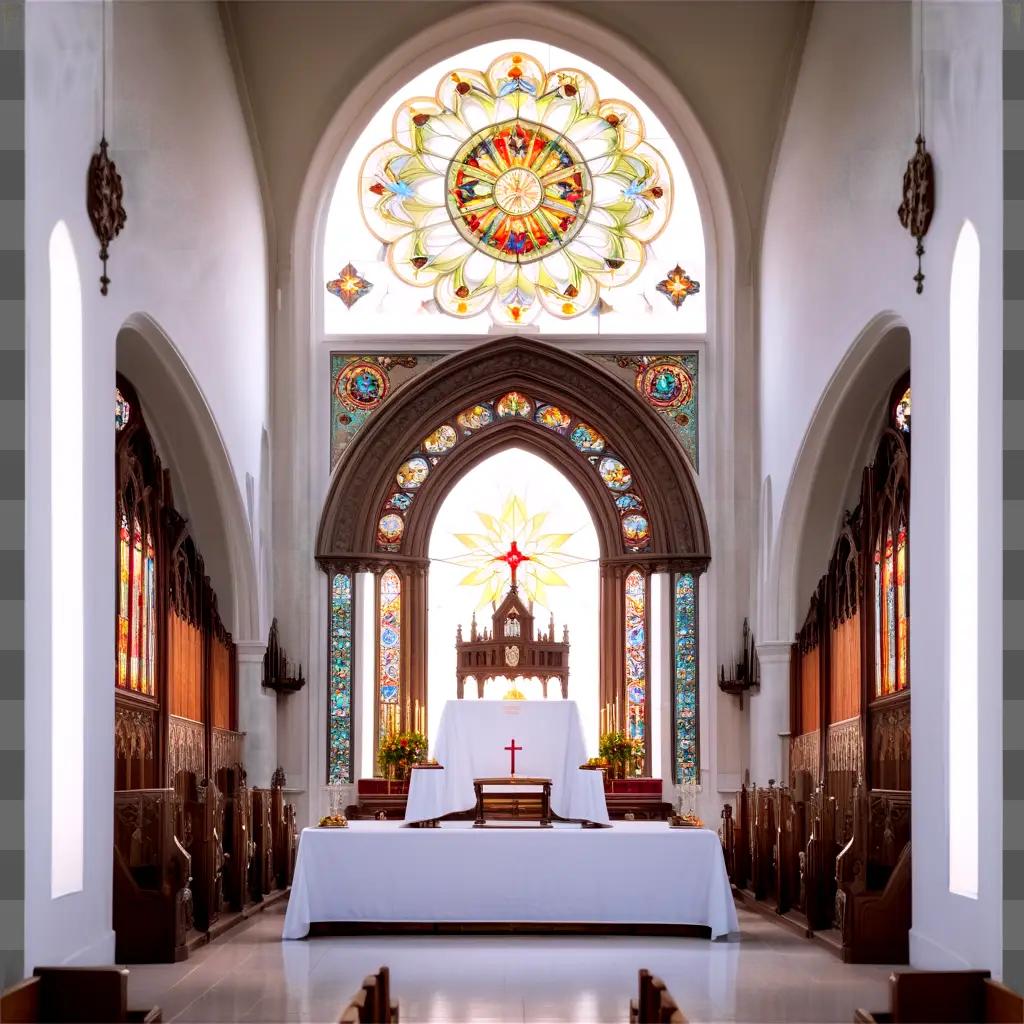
[
  {"x": 278, "y": 674},
  {"x": 918, "y": 203},
  {"x": 104, "y": 203}
]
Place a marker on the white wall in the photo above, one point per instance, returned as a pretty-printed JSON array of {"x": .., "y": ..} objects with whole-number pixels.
[
  {"x": 192, "y": 257},
  {"x": 834, "y": 258}
]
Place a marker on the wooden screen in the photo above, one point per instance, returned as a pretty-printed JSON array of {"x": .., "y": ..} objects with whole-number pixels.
[
  {"x": 851, "y": 670},
  {"x": 174, "y": 663}
]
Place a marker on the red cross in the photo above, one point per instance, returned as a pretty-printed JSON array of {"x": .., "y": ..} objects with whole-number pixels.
[
  {"x": 512, "y": 748},
  {"x": 513, "y": 558}
]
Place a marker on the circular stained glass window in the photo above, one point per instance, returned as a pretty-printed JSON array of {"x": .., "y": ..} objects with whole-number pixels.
[
  {"x": 615, "y": 475},
  {"x": 665, "y": 384},
  {"x": 412, "y": 473},
  {"x": 389, "y": 529},
  {"x": 515, "y": 403},
  {"x": 553, "y": 418},
  {"x": 474, "y": 417},
  {"x": 586, "y": 439},
  {"x": 361, "y": 385},
  {"x": 516, "y": 189},
  {"x": 440, "y": 440}
]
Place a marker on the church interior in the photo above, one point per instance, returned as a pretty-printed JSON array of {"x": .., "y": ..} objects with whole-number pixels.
[{"x": 483, "y": 461}]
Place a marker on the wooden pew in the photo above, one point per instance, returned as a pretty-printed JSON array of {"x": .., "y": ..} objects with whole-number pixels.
[
  {"x": 820, "y": 862},
  {"x": 372, "y": 1003},
  {"x": 742, "y": 832},
  {"x": 873, "y": 901},
  {"x": 152, "y": 871},
  {"x": 762, "y": 853},
  {"x": 238, "y": 845},
  {"x": 285, "y": 837},
  {"x": 727, "y": 833},
  {"x": 73, "y": 995},
  {"x": 201, "y": 832},
  {"x": 654, "y": 1004},
  {"x": 948, "y": 997},
  {"x": 261, "y": 870}
]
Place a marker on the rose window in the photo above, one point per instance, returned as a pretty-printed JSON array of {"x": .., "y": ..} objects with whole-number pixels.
[{"x": 516, "y": 190}]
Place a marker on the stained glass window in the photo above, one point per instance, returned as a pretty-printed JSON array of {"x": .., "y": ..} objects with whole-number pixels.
[
  {"x": 339, "y": 767},
  {"x": 136, "y": 607},
  {"x": 516, "y": 183},
  {"x": 879, "y": 621},
  {"x": 686, "y": 767},
  {"x": 389, "y": 672},
  {"x": 902, "y": 620},
  {"x": 122, "y": 410},
  {"x": 891, "y": 620},
  {"x": 901, "y": 414},
  {"x": 636, "y": 656},
  {"x": 890, "y": 613},
  {"x": 580, "y": 437}
]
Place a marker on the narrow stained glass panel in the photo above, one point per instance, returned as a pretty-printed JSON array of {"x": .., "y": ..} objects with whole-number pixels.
[
  {"x": 890, "y": 614},
  {"x": 123, "y": 611},
  {"x": 684, "y": 681},
  {"x": 878, "y": 620},
  {"x": 903, "y": 678},
  {"x": 149, "y": 640},
  {"x": 339, "y": 711},
  {"x": 136, "y": 606},
  {"x": 636, "y": 656},
  {"x": 389, "y": 677}
]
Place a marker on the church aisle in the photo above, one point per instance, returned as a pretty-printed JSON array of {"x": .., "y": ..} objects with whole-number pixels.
[{"x": 253, "y": 976}]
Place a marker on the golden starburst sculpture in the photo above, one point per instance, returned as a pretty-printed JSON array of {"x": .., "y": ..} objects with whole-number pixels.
[{"x": 513, "y": 548}]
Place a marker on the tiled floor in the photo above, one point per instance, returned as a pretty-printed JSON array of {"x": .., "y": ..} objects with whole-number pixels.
[{"x": 251, "y": 975}]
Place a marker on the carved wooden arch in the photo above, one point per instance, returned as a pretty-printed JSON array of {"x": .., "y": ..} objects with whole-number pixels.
[{"x": 365, "y": 475}]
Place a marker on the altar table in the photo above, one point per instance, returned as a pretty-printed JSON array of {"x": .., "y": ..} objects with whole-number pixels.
[
  {"x": 471, "y": 742},
  {"x": 634, "y": 874}
]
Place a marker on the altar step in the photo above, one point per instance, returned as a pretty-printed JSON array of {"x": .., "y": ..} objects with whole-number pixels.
[{"x": 639, "y": 798}]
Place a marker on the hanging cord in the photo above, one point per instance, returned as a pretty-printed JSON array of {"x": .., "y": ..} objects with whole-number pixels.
[
  {"x": 920, "y": 68},
  {"x": 103, "y": 62}
]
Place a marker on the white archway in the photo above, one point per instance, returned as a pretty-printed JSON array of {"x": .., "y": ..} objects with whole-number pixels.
[
  {"x": 205, "y": 487},
  {"x": 826, "y": 466}
]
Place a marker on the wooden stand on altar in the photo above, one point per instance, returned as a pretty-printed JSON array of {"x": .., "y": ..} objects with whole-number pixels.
[{"x": 525, "y": 807}]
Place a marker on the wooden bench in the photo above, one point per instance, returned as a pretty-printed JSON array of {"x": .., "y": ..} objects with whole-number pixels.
[
  {"x": 72, "y": 995},
  {"x": 654, "y": 1004},
  {"x": 372, "y": 1003},
  {"x": 947, "y": 997},
  {"x": 152, "y": 871}
]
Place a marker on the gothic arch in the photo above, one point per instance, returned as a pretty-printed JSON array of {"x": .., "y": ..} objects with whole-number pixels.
[
  {"x": 820, "y": 485},
  {"x": 205, "y": 484},
  {"x": 364, "y": 478}
]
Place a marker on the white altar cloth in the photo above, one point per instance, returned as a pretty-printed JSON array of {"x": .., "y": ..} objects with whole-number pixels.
[
  {"x": 634, "y": 873},
  {"x": 470, "y": 744}
]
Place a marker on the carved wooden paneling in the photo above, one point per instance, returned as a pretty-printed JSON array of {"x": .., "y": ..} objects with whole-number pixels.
[
  {"x": 890, "y": 743},
  {"x": 844, "y": 747},
  {"x": 228, "y": 749},
  {"x": 804, "y": 755},
  {"x": 135, "y": 744},
  {"x": 186, "y": 747}
]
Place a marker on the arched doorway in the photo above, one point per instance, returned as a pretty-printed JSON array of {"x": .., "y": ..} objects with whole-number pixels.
[
  {"x": 514, "y": 496},
  {"x": 385, "y": 492}
]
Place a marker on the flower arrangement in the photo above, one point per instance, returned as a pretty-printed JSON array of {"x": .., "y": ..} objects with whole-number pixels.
[
  {"x": 619, "y": 750},
  {"x": 399, "y": 750}
]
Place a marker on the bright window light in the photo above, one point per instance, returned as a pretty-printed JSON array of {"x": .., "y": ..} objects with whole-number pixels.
[
  {"x": 963, "y": 565},
  {"x": 67, "y": 683}
]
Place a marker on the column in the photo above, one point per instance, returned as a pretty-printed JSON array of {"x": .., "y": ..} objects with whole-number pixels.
[
  {"x": 257, "y": 714},
  {"x": 769, "y": 714}
]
